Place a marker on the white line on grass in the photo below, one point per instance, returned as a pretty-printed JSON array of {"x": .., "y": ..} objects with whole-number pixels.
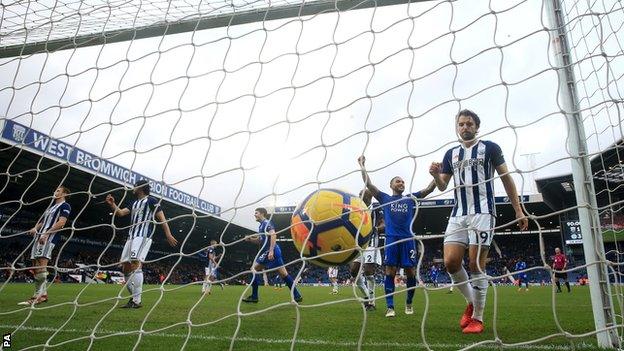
[{"x": 554, "y": 347}]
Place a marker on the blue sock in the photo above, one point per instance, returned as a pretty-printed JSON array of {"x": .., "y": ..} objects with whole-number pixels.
[
  {"x": 389, "y": 289},
  {"x": 411, "y": 282},
  {"x": 289, "y": 282},
  {"x": 255, "y": 281}
]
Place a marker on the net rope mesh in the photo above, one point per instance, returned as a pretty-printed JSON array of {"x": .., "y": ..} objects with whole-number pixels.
[
  {"x": 317, "y": 91},
  {"x": 596, "y": 51},
  {"x": 37, "y": 21}
]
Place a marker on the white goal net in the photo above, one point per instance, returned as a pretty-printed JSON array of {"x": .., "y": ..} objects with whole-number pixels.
[{"x": 228, "y": 106}]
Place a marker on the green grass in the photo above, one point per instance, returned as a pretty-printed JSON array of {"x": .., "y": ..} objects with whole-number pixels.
[
  {"x": 609, "y": 236},
  {"x": 68, "y": 319}
]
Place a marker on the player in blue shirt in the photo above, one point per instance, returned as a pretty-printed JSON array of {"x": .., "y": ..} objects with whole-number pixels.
[
  {"x": 145, "y": 213},
  {"x": 471, "y": 165},
  {"x": 45, "y": 238},
  {"x": 522, "y": 277},
  {"x": 400, "y": 248},
  {"x": 433, "y": 275},
  {"x": 269, "y": 257}
]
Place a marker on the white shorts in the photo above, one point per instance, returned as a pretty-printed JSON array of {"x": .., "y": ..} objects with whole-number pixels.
[
  {"x": 39, "y": 250},
  {"x": 210, "y": 271},
  {"x": 370, "y": 255},
  {"x": 332, "y": 272},
  {"x": 475, "y": 229},
  {"x": 136, "y": 249}
]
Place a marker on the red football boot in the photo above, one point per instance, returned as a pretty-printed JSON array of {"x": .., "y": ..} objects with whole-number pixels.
[
  {"x": 475, "y": 327},
  {"x": 466, "y": 317}
]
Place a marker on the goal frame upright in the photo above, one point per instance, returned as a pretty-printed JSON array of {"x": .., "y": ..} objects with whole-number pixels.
[{"x": 593, "y": 245}]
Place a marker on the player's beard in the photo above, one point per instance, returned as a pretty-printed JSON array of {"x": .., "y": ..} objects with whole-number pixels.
[{"x": 467, "y": 136}]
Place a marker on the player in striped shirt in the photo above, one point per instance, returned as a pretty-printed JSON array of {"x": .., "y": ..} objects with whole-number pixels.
[
  {"x": 471, "y": 165},
  {"x": 45, "y": 238},
  {"x": 144, "y": 214},
  {"x": 332, "y": 273},
  {"x": 371, "y": 256},
  {"x": 211, "y": 268}
]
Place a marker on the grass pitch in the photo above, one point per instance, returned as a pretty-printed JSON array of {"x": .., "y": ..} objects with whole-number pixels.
[{"x": 80, "y": 317}]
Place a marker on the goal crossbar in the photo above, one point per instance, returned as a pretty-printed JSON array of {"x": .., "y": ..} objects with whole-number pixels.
[{"x": 194, "y": 24}]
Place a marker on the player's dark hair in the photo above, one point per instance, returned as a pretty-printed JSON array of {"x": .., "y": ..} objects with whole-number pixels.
[
  {"x": 143, "y": 185},
  {"x": 471, "y": 114},
  {"x": 263, "y": 211},
  {"x": 393, "y": 178},
  {"x": 65, "y": 189}
]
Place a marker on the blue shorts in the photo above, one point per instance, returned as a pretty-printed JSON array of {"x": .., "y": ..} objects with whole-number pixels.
[
  {"x": 402, "y": 254},
  {"x": 277, "y": 261}
]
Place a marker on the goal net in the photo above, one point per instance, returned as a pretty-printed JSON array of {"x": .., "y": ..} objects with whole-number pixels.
[{"x": 228, "y": 106}]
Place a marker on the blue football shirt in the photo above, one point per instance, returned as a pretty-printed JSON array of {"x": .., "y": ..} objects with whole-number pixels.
[{"x": 398, "y": 212}]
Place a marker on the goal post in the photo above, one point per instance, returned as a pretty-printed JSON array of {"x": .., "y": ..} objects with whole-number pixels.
[{"x": 593, "y": 246}]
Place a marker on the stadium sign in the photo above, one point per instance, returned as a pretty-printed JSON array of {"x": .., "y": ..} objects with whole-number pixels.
[
  {"x": 572, "y": 232},
  {"x": 91, "y": 242},
  {"x": 43, "y": 144},
  {"x": 285, "y": 209},
  {"x": 615, "y": 174}
]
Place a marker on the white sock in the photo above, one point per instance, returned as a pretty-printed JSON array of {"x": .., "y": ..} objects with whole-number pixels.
[
  {"x": 370, "y": 284},
  {"x": 460, "y": 277},
  {"x": 44, "y": 287},
  {"x": 129, "y": 284},
  {"x": 205, "y": 285},
  {"x": 335, "y": 285},
  {"x": 40, "y": 283},
  {"x": 361, "y": 284},
  {"x": 137, "y": 281},
  {"x": 480, "y": 286}
]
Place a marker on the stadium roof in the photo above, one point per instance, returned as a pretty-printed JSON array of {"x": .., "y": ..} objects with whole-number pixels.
[
  {"x": 32, "y": 178},
  {"x": 23, "y": 137},
  {"x": 608, "y": 170}
]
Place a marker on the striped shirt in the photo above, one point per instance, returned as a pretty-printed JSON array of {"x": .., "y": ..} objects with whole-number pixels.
[
  {"x": 51, "y": 216},
  {"x": 377, "y": 214},
  {"x": 142, "y": 216},
  {"x": 473, "y": 172},
  {"x": 210, "y": 254}
]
